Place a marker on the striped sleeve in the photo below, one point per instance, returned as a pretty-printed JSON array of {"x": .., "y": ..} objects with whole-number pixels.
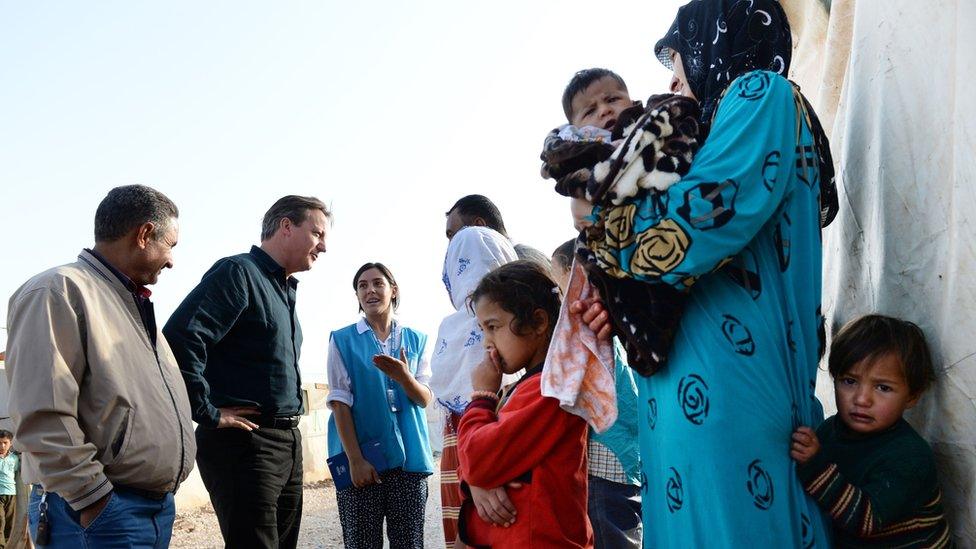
[{"x": 887, "y": 506}]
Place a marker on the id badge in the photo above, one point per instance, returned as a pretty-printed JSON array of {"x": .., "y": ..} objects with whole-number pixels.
[{"x": 391, "y": 400}]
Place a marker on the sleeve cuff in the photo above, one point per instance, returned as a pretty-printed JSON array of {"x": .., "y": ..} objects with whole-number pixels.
[
  {"x": 812, "y": 469},
  {"x": 210, "y": 418},
  {"x": 481, "y": 403},
  {"x": 339, "y": 395},
  {"x": 95, "y": 491}
]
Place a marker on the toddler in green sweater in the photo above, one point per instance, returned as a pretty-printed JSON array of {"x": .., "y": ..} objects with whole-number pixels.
[{"x": 866, "y": 466}]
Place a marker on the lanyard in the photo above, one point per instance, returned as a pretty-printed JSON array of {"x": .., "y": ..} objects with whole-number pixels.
[
  {"x": 392, "y": 338},
  {"x": 391, "y": 398}
]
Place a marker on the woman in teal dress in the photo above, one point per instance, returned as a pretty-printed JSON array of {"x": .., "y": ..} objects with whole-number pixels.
[{"x": 742, "y": 228}]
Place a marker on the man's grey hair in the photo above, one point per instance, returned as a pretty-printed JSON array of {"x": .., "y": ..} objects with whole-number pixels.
[
  {"x": 130, "y": 206},
  {"x": 294, "y": 208},
  {"x": 524, "y": 251}
]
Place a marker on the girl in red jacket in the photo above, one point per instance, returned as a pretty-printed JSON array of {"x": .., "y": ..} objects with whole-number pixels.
[{"x": 523, "y": 459}]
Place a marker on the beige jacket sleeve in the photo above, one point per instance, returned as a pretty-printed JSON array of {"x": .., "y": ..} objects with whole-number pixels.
[{"x": 45, "y": 365}]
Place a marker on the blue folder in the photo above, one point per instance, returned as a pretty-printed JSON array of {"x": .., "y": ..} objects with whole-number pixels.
[{"x": 339, "y": 463}]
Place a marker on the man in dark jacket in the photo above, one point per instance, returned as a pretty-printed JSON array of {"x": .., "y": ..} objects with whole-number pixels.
[{"x": 237, "y": 340}]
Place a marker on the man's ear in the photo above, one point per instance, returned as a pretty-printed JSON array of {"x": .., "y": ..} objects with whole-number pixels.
[
  {"x": 285, "y": 226},
  {"x": 145, "y": 233},
  {"x": 480, "y": 222}
]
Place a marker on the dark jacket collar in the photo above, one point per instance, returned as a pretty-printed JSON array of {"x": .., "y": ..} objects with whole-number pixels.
[
  {"x": 134, "y": 288},
  {"x": 271, "y": 266}
]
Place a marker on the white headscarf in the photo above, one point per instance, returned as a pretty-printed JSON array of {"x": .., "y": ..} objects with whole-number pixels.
[{"x": 472, "y": 253}]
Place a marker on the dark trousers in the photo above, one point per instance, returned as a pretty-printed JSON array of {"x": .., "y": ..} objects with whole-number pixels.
[
  {"x": 615, "y": 513},
  {"x": 8, "y": 511},
  {"x": 401, "y": 498},
  {"x": 255, "y": 484}
]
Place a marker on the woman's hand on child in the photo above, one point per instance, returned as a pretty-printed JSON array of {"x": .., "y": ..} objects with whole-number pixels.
[
  {"x": 396, "y": 369},
  {"x": 805, "y": 445},
  {"x": 493, "y": 505},
  {"x": 362, "y": 472},
  {"x": 487, "y": 376},
  {"x": 595, "y": 315}
]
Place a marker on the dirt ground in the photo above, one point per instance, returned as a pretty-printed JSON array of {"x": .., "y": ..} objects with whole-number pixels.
[{"x": 320, "y": 521}]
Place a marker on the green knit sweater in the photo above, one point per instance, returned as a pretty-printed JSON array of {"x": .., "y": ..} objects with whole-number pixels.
[{"x": 880, "y": 490}]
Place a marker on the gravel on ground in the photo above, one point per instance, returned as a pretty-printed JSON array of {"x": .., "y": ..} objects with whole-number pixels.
[{"x": 198, "y": 529}]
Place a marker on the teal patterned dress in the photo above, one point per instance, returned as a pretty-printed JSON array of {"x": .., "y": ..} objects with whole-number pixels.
[{"x": 743, "y": 229}]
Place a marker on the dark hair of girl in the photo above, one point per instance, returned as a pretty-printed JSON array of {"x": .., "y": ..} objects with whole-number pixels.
[
  {"x": 874, "y": 336},
  {"x": 520, "y": 287},
  {"x": 386, "y": 274}
]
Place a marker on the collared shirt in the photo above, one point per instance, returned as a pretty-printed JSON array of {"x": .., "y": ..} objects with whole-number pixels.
[
  {"x": 237, "y": 339},
  {"x": 8, "y": 474},
  {"x": 139, "y": 293},
  {"x": 340, "y": 385},
  {"x": 602, "y": 462}
]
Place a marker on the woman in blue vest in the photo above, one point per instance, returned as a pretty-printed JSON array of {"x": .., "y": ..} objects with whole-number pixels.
[{"x": 378, "y": 378}]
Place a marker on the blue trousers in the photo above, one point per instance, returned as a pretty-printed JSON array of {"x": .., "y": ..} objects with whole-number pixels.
[
  {"x": 128, "y": 520},
  {"x": 615, "y": 513}
]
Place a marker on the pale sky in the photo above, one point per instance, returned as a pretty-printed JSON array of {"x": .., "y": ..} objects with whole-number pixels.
[{"x": 388, "y": 111}]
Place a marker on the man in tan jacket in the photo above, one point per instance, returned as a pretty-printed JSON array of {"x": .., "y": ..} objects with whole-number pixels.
[{"x": 97, "y": 400}]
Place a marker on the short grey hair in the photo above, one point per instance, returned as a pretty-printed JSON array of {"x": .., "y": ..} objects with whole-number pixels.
[
  {"x": 130, "y": 206},
  {"x": 524, "y": 251},
  {"x": 295, "y": 208}
]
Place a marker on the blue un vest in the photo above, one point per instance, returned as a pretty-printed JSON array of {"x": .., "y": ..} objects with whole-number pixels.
[{"x": 403, "y": 434}]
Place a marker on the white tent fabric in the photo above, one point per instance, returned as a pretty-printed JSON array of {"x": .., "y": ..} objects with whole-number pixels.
[{"x": 893, "y": 82}]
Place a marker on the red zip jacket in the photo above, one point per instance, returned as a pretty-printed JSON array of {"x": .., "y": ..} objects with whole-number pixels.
[{"x": 531, "y": 440}]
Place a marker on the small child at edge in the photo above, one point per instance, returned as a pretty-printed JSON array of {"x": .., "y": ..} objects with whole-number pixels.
[
  {"x": 9, "y": 465},
  {"x": 866, "y": 466}
]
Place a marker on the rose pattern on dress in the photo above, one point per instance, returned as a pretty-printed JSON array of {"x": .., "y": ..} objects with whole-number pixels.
[
  {"x": 738, "y": 335},
  {"x": 760, "y": 486},
  {"x": 660, "y": 249},
  {"x": 674, "y": 492},
  {"x": 753, "y": 86},
  {"x": 620, "y": 226},
  {"x": 693, "y": 398},
  {"x": 770, "y": 169},
  {"x": 608, "y": 262}
]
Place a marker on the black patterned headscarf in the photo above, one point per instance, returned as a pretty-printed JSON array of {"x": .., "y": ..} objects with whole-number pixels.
[{"x": 720, "y": 40}]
